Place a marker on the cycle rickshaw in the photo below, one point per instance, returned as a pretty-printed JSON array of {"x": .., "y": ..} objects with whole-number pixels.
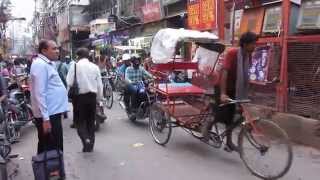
[{"x": 263, "y": 146}]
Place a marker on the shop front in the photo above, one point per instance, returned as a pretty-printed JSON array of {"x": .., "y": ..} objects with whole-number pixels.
[{"x": 289, "y": 39}]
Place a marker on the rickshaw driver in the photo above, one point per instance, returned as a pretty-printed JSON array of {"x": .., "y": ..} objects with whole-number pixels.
[
  {"x": 234, "y": 83},
  {"x": 134, "y": 74}
]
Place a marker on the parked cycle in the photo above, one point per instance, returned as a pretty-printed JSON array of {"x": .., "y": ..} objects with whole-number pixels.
[
  {"x": 107, "y": 90},
  {"x": 5, "y": 150}
]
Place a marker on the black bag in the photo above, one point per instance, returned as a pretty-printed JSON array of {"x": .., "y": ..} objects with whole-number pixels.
[
  {"x": 74, "y": 89},
  {"x": 48, "y": 165}
]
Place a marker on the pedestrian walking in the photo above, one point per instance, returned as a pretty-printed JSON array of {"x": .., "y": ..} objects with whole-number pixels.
[
  {"x": 69, "y": 61},
  {"x": 48, "y": 97},
  {"x": 88, "y": 78},
  {"x": 63, "y": 72},
  {"x": 62, "y": 69}
]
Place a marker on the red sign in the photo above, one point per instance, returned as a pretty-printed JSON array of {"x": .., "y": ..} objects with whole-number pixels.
[
  {"x": 151, "y": 12},
  {"x": 202, "y": 14}
]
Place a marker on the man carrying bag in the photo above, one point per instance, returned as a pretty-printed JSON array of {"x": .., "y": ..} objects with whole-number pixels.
[{"x": 49, "y": 101}]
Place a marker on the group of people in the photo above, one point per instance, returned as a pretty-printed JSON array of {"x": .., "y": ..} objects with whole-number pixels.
[
  {"x": 49, "y": 96},
  {"x": 49, "y": 93}
]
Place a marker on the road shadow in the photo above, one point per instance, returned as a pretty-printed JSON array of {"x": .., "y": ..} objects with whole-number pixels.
[
  {"x": 139, "y": 124},
  {"x": 197, "y": 148}
]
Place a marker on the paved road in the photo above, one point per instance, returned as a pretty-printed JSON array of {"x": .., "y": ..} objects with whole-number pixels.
[{"x": 186, "y": 158}]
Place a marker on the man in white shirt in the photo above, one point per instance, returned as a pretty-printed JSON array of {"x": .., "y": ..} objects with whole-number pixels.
[{"x": 90, "y": 90}]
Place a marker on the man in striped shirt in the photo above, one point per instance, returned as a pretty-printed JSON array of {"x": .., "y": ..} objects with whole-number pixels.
[{"x": 135, "y": 74}]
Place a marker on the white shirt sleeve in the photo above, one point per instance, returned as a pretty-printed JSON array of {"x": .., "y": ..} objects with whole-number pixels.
[
  {"x": 99, "y": 84},
  {"x": 70, "y": 76}
]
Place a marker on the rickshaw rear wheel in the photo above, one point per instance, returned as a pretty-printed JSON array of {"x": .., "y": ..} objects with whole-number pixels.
[{"x": 159, "y": 124}]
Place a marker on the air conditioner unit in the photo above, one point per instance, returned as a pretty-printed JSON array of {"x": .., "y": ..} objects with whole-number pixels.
[
  {"x": 272, "y": 20},
  {"x": 309, "y": 17}
]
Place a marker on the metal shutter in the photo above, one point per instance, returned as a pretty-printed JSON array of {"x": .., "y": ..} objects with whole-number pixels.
[{"x": 304, "y": 79}]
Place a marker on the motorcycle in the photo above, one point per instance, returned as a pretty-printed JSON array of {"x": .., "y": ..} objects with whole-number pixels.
[
  {"x": 145, "y": 98},
  {"x": 19, "y": 111}
]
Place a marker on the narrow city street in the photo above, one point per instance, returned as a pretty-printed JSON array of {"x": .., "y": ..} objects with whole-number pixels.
[{"x": 126, "y": 151}]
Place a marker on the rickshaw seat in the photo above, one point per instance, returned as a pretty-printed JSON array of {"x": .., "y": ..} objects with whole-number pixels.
[{"x": 209, "y": 92}]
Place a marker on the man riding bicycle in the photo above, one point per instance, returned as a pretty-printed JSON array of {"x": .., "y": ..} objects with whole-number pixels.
[
  {"x": 133, "y": 76},
  {"x": 234, "y": 84}
]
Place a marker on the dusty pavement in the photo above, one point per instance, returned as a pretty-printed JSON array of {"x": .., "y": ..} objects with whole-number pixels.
[{"x": 117, "y": 156}]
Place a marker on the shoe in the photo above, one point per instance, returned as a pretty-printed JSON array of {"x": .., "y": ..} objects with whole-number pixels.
[
  {"x": 72, "y": 126},
  {"x": 87, "y": 144},
  {"x": 101, "y": 117},
  {"x": 229, "y": 147}
]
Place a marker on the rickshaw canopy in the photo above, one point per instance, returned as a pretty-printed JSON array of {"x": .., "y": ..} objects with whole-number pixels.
[{"x": 165, "y": 41}]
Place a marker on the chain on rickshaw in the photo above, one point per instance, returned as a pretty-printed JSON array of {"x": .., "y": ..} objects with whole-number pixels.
[{"x": 263, "y": 146}]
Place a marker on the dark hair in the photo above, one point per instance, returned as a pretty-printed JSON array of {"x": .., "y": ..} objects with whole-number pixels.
[
  {"x": 133, "y": 59},
  {"x": 43, "y": 44},
  {"x": 83, "y": 53},
  {"x": 247, "y": 38},
  {"x": 104, "y": 52}
]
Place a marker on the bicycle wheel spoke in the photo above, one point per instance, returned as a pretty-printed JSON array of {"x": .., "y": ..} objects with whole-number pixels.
[
  {"x": 159, "y": 125},
  {"x": 265, "y": 150}
]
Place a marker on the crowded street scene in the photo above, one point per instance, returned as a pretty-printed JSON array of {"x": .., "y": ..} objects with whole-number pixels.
[{"x": 159, "y": 89}]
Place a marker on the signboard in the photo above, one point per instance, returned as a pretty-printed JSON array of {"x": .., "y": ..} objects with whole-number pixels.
[
  {"x": 77, "y": 18},
  {"x": 101, "y": 26},
  {"x": 151, "y": 12},
  {"x": 275, "y": 1},
  {"x": 258, "y": 72},
  {"x": 237, "y": 23},
  {"x": 252, "y": 20},
  {"x": 63, "y": 31},
  {"x": 202, "y": 14},
  {"x": 240, "y": 4}
]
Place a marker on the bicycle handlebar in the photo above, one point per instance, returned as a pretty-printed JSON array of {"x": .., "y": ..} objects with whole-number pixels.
[{"x": 233, "y": 101}]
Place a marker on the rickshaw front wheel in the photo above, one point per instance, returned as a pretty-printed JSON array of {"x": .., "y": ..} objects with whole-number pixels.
[{"x": 159, "y": 124}]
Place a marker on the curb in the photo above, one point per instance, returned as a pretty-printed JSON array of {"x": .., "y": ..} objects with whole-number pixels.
[{"x": 301, "y": 130}]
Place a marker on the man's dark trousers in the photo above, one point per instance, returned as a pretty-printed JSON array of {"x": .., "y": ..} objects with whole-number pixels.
[
  {"x": 54, "y": 140},
  {"x": 75, "y": 111},
  {"x": 86, "y": 106}
]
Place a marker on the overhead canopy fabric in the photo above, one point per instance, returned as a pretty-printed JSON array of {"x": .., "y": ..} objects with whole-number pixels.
[{"x": 165, "y": 41}]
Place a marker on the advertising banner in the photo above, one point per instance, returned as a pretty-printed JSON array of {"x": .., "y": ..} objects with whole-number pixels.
[
  {"x": 202, "y": 14},
  {"x": 151, "y": 12}
]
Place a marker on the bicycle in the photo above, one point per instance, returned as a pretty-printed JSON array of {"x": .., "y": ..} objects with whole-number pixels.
[
  {"x": 107, "y": 90},
  {"x": 5, "y": 150},
  {"x": 257, "y": 135}
]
